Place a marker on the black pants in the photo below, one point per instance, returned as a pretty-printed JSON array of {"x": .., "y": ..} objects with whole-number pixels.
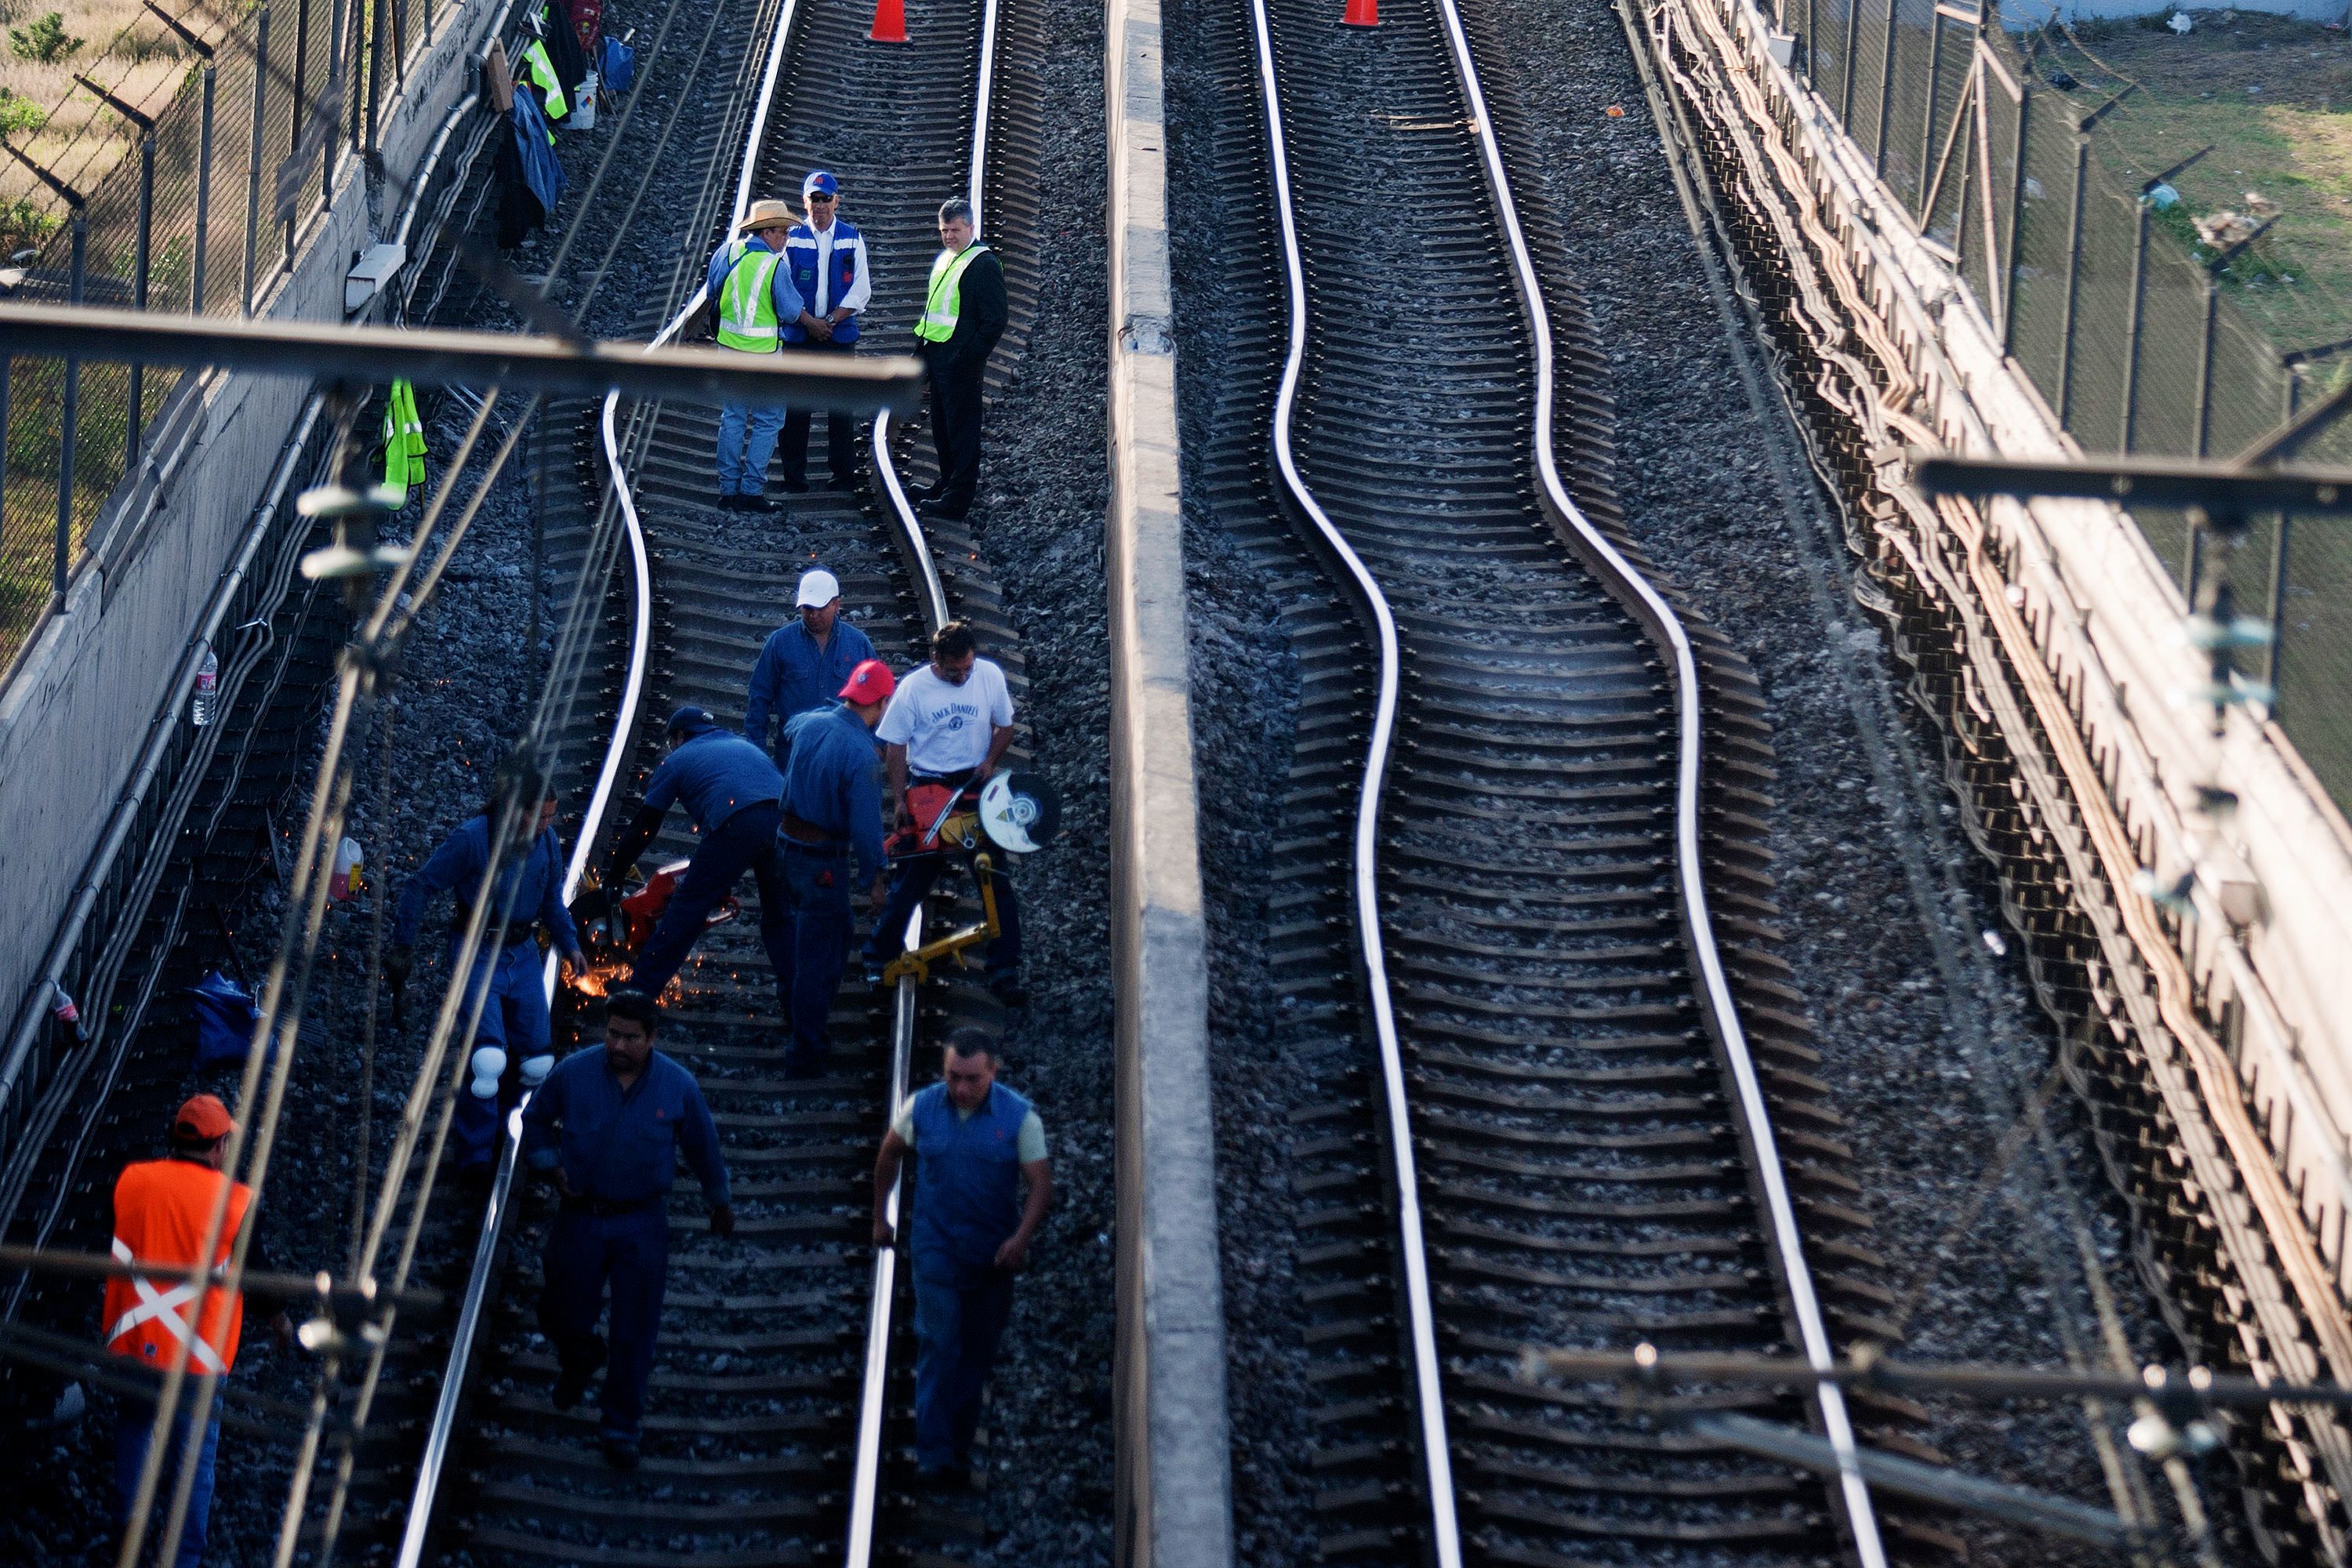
[
  {"x": 840, "y": 429},
  {"x": 955, "y": 427}
]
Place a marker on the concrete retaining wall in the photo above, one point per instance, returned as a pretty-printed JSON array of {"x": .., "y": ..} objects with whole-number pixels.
[
  {"x": 75, "y": 711},
  {"x": 1174, "y": 1503}
]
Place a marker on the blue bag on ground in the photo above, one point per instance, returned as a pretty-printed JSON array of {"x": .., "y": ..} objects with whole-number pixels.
[
  {"x": 225, "y": 1018},
  {"x": 618, "y": 66}
]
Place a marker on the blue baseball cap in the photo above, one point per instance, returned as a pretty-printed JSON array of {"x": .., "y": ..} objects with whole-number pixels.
[
  {"x": 819, "y": 181},
  {"x": 693, "y": 721}
]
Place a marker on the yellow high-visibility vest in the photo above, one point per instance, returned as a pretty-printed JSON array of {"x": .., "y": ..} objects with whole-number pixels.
[
  {"x": 747, "y": 301},
  {"x": 944, "y": 303},
  {"x": 404, "y": 442}
]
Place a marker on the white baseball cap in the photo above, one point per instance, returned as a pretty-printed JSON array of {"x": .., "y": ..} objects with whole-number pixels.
[{"x": 819, "y": 588}]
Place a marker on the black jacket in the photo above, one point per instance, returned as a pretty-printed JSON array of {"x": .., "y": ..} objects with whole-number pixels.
[{"x": 980, "y": 317}]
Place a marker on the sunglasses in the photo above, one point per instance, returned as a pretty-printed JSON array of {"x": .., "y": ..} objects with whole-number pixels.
[{"x": 821, "y": 196}]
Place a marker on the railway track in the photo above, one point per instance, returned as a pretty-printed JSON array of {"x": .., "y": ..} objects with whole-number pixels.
[
  {"x": 1518, "y": 915},
  {"x": 778, "y": 1420}
]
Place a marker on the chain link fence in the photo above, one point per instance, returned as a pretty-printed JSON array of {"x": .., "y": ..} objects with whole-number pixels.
[
  {"x": 183, "y": 194},
  {"x": 2138, "y": 313}
]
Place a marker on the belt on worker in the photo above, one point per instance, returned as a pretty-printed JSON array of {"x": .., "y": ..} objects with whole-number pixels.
[
  {"x": 613, "y": 1209},
  {"x": 955, "y": 780},
  {"x": 799, "y": 833},
  {"x": 516, "y": 936}
]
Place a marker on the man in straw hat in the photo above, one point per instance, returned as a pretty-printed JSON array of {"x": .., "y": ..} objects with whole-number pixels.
[{"x": 751, "y": 296}]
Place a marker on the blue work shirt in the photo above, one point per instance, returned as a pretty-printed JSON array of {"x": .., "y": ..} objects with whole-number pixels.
[
  {"x": 794, "y": 675},
  {"x": 532, "y": 891},
  {"x": 789, "y": 304},
  {"x": 967, "y": 1190},
  {"x": 717, "y": 773},
  {"x": 622, "y": 1145},
  {"x": 829, "y": 780}
]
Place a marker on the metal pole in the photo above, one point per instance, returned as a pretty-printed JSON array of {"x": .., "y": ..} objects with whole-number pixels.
[
  {"x": 301, "y": 116},
  {"x": 1885, "y": 94},
  {"x": 4, "y": 362},
  {"x": 203, "y": 191},
  {"x": 1927, "y": 120},
  {"x": 68, "y": 419},
  {"x": 375, "y": 72},
  {"x": 350, "y": 44},
  {"x": 2280, "y": 541},
  {"x": 399, "y": 44},
  {"x": 2131, "y": 330},
  {"x": 2191, "y": 556},
  {"x": 1845, "y": 65},
  {"x": 2074, "y": 284},
  {"x": 2016, "y": 220},
  {"x": 139, "y": 267},
  {"x": 253, "y": 160},
  {"x": 2205, "y": 368}
]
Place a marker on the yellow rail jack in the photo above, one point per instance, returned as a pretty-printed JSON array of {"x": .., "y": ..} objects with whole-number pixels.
[{"x": 918, "y": 963}]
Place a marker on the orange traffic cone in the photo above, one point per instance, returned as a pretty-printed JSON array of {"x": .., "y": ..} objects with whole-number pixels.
[
  {"x": 890, "y": 22},
  {"x": 1362, "y": 14}
]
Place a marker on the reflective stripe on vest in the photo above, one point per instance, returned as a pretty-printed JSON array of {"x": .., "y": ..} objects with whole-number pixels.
[
  {"x": 944, "y": 303},
  {"x": 404, "y": 441},
  {"x": 161, "y": 1210},
  {"x": 542, "y": 75},
  {"x": 747, "y": 301}
]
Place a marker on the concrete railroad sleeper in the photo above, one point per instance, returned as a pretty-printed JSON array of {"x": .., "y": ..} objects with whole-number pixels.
[
  {"x": 778, "y": 1419},
  {"x": 2231, "y": 1264},
  {"x": 1561, "y": 1083}
]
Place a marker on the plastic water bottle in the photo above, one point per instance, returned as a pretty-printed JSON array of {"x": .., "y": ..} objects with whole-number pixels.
[{"x": 207, "y": 683}]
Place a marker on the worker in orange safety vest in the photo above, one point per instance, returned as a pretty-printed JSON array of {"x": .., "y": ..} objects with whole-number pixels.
[{"x": 162, "y": 1210}]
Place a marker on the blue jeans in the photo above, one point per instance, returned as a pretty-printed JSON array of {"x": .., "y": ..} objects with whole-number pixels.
[
  {"x": 960, "y": 1314},
  {"x": 744, "y": 842},
  {"x": 583, "y": 1251},
  {"x": 910, "y": 879},
  {"x": 818, "y": 878},
  {"x": 131, "y": 1429},
  {"x": 514, "y": 1019},
  {"x": 743, "y": 456}
]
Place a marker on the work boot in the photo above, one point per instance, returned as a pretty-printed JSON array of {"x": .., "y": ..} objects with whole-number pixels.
[
  {"x": 795, "y": 487},
  {"x": 841, "y": 482},
  {"x": 729, "y": 502},
  {"x": 756, "y": 504},
  {"x": 621, "y": 1453}
]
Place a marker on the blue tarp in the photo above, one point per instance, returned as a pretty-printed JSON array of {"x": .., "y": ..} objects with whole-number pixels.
[
  {"x": 618, "y": 67},
  {"x": 541, "y": 171},
  {"x": 225, "y": 1018}
]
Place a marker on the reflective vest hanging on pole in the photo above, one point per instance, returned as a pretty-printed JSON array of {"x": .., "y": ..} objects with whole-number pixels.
[
  {"x": 161, "y": 1210},
  {"x": 544, "y": 77},
  {"x": 747, "y": 301},
  {"x": 403, "y": 443},
  {"x": 944, "y": 303}
]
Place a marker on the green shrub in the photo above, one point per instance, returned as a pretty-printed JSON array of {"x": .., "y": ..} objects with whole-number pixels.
[
  {"x": 45, "y": 41},
  {"x": 19, "y": 115}
]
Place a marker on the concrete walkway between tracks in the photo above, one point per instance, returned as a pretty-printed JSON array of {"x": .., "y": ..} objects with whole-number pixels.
[{"x": 1174, "y": 1489}]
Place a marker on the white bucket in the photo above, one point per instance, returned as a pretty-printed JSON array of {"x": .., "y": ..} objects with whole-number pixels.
[{"x": 584, "y": 108}]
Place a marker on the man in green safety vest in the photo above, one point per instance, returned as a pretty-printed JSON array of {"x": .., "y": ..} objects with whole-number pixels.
[
  {"x": 750, "y": 297},
  {"x": 963, "y": 315}
]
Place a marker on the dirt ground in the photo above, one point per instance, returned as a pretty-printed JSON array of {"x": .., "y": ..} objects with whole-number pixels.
[{"x": 2272, "y": 98}]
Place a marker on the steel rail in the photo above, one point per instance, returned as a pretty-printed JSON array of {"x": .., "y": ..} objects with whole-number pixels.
[
  {"x": 1787, "y": 1241},
  {"x": 600, "y": 801},
  {"x": 984, "y": 94},
  {"x": 1436, "y": 1457}
]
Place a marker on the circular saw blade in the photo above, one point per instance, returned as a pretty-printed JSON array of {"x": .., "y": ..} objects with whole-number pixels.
[{"x": 1021, "y": 812}]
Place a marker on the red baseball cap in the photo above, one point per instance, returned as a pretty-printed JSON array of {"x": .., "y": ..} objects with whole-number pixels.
[
  {"x": 202, "y": 1119},
  {"x": 871, "y": 681}
]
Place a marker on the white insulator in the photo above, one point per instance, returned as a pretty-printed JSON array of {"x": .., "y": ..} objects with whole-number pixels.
[
  {"x": 489, "y": 1062},
  {"x": 536, "y": 1068}
]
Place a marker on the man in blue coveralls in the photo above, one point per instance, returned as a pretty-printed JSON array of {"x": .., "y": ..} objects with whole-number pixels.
[
  {"x": 805, "y": 664},
  {"x": 731, "y": 791},
  {"x": 977, "y": 1144},
  {"x": 513, "y": 1032},
  {"x": 833, "y": 804},
  {"x": 609, "y": 1126}
]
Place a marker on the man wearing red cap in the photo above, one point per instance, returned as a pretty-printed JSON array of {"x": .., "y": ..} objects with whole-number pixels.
[
  {"x": 833, "y": 805},
  {"x": 162, "y": 1211}
]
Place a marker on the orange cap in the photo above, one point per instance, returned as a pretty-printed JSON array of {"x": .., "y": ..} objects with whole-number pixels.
[{"x": 202, "y": 1119}]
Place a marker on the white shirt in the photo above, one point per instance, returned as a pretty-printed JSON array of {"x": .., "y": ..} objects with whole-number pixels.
[
  {"x": 860, "y": 289},
  {"x": 945, "y": 727}
]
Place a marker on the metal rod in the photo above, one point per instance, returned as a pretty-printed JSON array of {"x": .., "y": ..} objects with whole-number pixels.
[
  {"x": 2281, "y": 540},
  {"x": 399, "y": 43},
  {"x": 203, "y": 192},
  {"x": 2131, "y": 333},
  {"x": 2205, "y": 370},
  {"x": 300, "y": 119},
  {"x": 1845, "y": 65},
  {"x": 271, "y": 1287},
  {"x": 375, "y": 72},
  {"x": 1885, "y": 94},
  {"x": 2192, "y": 555},
  {"x": 253, "y": 159},
  {"x": 139, "y": 265},
  {"x": 6, "y": 362},
  {"x": 2152, "y": 481},
  {"x": 2016, "y": 219},
  {"x": 447, "y": 358},
  {"x": 71, "y": 413},
  {"x": 2073, "y": 285},
  {"x": 1928, "y": 118}
]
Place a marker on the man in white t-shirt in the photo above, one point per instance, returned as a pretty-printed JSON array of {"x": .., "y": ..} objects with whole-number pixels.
[{"x": 948, "y": 724}]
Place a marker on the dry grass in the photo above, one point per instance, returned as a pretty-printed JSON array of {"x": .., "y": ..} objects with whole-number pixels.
[{"x": 127, "y": 49}]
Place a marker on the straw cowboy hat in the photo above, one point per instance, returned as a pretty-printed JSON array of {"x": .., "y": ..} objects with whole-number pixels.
[{"x": 768, "y": 214}]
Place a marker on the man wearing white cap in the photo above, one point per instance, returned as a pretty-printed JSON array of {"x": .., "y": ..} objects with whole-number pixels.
[
  {"x": 751, "y": 296},
  {"x": 827, "y": 256},
  {"x": 804, "y": 664}
]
